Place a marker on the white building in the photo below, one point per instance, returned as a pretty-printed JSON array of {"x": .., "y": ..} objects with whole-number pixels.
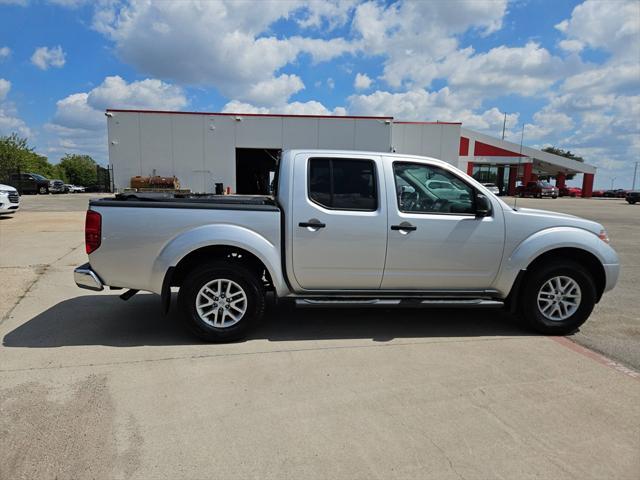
[{"x": 239, "y": 150}]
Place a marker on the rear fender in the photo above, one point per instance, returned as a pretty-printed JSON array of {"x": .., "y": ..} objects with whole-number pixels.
[{"x": 211, "y": 235}]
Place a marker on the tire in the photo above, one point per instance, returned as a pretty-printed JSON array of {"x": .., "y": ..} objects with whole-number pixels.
[
  {"x": 536, "y": 283},
  {"x": 43, "y": 190},
  {"x": 631, "y": 202},
  {"x": 216, "y": 276}
]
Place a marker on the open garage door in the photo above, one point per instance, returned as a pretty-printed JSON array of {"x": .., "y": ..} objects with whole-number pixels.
[{"x": 255, "y": 170}]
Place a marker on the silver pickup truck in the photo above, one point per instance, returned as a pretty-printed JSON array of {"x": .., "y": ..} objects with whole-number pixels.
[{"x": 350, "y": 229}]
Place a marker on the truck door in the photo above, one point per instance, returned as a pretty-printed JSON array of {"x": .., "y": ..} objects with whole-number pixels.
[
  {"x": 436, "y": 240},
  {"x": 338, "y": 222}
]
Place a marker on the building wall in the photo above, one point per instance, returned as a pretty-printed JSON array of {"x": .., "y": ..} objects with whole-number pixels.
[
  {"x": 199, "y": 149},
  {"x": 438, "y": 140}
]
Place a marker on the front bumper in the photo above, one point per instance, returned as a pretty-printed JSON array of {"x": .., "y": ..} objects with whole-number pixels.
[
  {"x": 612, "y": 272},
  {"x": 86, "y": 278}
]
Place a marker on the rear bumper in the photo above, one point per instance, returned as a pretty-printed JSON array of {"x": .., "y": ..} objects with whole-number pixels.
[{"x": 86, "y": 278}]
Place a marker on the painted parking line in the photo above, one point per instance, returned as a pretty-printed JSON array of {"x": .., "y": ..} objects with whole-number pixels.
[{"x": 570, "y": 344}]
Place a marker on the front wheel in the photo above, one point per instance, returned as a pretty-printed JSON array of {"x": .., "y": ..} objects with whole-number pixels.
[
  {"x": 221, "y": 301},
  {"x": 43, "y": 190},
  {"x": 558, "y": 298}
]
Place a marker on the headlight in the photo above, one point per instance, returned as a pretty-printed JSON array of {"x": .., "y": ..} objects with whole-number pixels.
[
  {"x": 7, "y": 191},
  {"x": 604, "y": 236}
]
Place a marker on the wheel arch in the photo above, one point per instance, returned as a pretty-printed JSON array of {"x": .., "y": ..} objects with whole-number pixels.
[{"x": 572, "y": 243}]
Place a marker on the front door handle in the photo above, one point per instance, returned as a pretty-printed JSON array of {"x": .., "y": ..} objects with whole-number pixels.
[
  {"x": 312, "y": 224},
  {"x": 404, "y": 226}
]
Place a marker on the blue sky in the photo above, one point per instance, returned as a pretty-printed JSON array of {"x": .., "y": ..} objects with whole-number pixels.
[{"x": 568, "y": 70}]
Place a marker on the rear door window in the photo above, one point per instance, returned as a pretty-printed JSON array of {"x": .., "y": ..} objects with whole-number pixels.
[{"x": 343, "y": 184}]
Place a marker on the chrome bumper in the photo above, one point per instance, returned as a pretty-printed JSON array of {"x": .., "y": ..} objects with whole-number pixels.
[{"x": 87, "y": 278}]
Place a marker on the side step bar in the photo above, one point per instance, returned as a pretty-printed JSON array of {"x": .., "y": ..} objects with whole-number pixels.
[{"x": 396, "y": 302}]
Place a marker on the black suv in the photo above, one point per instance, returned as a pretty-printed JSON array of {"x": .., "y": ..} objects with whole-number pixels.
[
  {"x": 633, "y": 197},
  {"x": 29, "y": 183}
]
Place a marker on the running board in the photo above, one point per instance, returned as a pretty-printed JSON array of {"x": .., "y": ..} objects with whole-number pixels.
[{"x": 396, "y": 302}]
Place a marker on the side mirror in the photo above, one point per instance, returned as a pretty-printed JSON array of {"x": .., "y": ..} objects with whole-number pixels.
[{"x": 483, "y": 205}]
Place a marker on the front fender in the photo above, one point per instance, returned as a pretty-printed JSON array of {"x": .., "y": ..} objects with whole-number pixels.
[
  {"x": 220, "y": 234},
  {"x": 546, "y": 240}
]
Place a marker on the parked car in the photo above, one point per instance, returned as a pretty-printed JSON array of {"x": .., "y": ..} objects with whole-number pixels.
[
  {"x": 570, "y": 192},
  {"x": 9, "y": 199},
  {"x": 538, "y": 189},
  {"x": 597, "y": 193},
  {"x": 615, "y": 193},
  {"x": 492, "y": 187},
  {"x": 74, "y": 188},
  {"x": 633, "y": 196},
  {"x": 447, "y": 189},
  {"x": 342, "y": 231},
  {"x": 29, "y": 183},
  {"x": 57, "y": 186}
]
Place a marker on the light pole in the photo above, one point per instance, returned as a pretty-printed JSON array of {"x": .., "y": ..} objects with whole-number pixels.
[
  {"x": 613, "y": 179},
  {"x": 635, "y": 172}
]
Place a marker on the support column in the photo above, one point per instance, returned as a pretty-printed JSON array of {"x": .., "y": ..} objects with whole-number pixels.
[
  {"x": 587, "y": 185},
  {"x": 500, "y": 180},
  {"x": 513, "y": 175},
  {"x": 560, "y": 179},
  {"x": 470, "y": 169},
  {"x": 526, "y": 175}
]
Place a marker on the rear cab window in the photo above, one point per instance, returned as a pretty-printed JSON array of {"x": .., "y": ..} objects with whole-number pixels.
[{"x": 343, "y": 184}]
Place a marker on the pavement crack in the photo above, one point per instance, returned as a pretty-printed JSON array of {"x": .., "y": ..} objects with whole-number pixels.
[
  {"x": 40, "y": 270},
  {"x": 259, "y": 352}
]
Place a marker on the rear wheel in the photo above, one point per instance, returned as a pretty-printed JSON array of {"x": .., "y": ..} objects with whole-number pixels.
[
  {"x": 43, "y": 190},
  {"x": 221, "y": 302},
  {"x": 558, "y": 298}
]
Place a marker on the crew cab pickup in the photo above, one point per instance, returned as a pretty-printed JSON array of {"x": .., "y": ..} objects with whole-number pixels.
[{"x": 348, "y": 229}]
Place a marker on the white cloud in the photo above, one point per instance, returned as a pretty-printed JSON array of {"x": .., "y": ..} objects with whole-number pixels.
[
  {"x": 610, "y": 26},
  {"x": 9, "y": 120},
  {"x": 115, "y": 92},
  {"x": 415, "y": 37},
  {"x": 333, "y": 13},
  {"x": 79, "y": 119},
  {"x": 223, "y": 44},
  {"x": 5, "y": 86},
  {"x": 571, "y": 46},
  {"x": 5, "y": 52},
  {"x": 295, "y": 108},
  {"x": 275, "y": 91},
  {"x": 45, "y": 57},
  {"x": 362, "y": 81},
  {"x": 504, "y": 70}
]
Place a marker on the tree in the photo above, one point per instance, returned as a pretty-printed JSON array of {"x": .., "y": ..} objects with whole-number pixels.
[
  {"x": 566, "y": 154},
  {"x": 79, "y": 169},
  {"x": 17, "y": 156}
]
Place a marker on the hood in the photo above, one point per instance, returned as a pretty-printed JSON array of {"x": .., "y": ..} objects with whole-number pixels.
[
  {"x": 557, "y": 219},
  {"x": 7, "y": 187}
]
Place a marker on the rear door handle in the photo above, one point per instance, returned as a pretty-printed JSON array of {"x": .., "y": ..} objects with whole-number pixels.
[
  {"x": 404, "y": 226},
  {"x": 311, "y": 225}
]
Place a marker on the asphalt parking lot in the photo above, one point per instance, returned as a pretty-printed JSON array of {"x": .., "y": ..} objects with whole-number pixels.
[{"x": 93, "y": 387}]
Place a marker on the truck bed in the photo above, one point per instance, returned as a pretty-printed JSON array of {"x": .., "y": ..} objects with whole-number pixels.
[
  {"x": 145, "y": 234},
  {"x": 190, "y": 201}
]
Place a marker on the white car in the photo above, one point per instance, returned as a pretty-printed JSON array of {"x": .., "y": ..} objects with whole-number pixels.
[
  {"x": 75, "y": 188},
  {"x": 9, "y": 199},
  {"x": 492, "y": 187}
]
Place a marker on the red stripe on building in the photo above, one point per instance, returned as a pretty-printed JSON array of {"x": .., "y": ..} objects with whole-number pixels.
[
  {"x": 464, "y": 146},
  {"x": 485, "y": 150}
]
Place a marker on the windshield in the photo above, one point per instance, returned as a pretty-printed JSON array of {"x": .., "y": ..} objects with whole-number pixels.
[
  {"x": 545, "y": 184},
  {"x": 38, "y": 177}
]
